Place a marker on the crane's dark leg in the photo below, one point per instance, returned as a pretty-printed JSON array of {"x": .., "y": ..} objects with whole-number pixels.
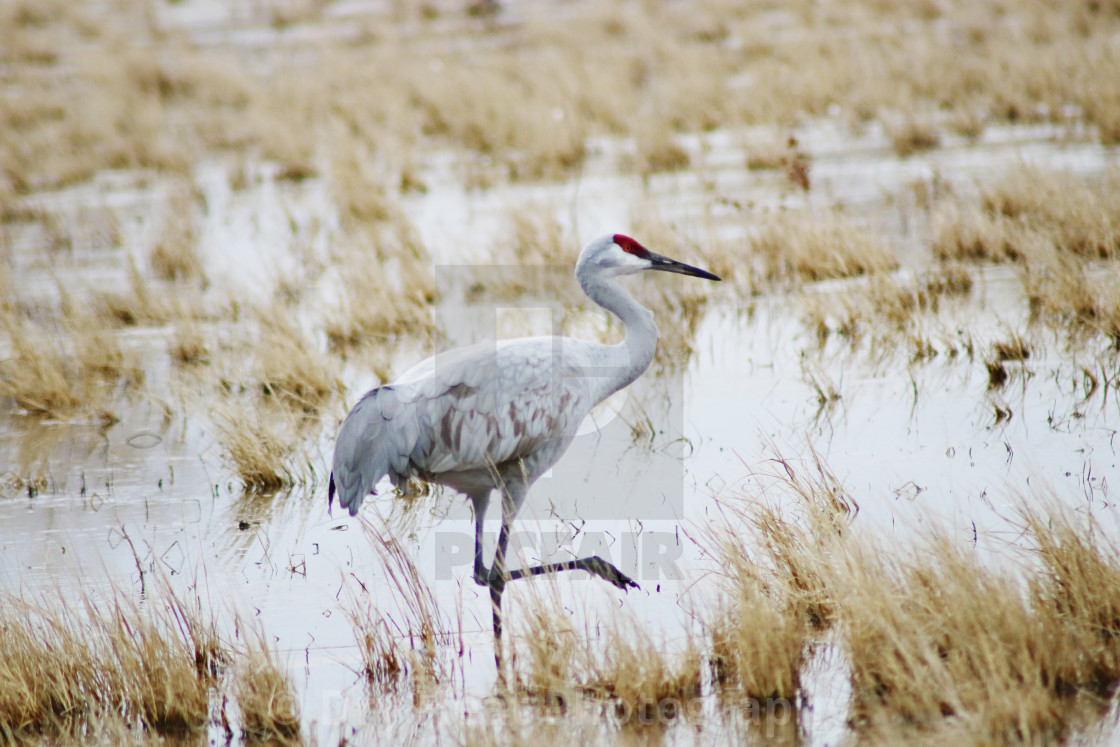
[
  {"x": 497, "y": 584},
  {"x": 498, "y": 575},
  {"x": 593, "y": 565},
  {"x": 481, "y": 574}
]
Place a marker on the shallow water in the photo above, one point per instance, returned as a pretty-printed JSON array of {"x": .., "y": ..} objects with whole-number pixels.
[{"x": 918, "y": 445}]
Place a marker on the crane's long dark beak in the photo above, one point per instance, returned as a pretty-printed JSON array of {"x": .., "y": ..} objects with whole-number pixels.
[{"x": 671, "y": 265}]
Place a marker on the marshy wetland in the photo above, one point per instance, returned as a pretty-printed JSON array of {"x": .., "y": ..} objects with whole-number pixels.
[{"x": 866, "y": 486}]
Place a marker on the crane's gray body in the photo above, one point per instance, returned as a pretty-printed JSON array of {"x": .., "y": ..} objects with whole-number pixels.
[{"x": 474, "y": 418}]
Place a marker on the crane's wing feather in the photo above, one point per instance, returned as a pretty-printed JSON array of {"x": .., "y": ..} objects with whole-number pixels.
[
  {"x": 470, "y": 409},
  {"x": 370, "y": 444}
]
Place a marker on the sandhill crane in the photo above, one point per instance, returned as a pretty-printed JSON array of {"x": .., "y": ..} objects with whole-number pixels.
[{"x": 497, "y": 416}]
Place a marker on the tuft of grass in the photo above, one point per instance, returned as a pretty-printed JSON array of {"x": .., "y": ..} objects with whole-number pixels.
[
  {"x": 940, "y": 640},
  {"x": 550, "y": 648},
  {"x": 658, "y": 150},
  {"x": 383, "y": 659},
  {"x": 289, "y": 369},
  {"x": 363, "y": 200},
  {"x": 938, "y": 644},
  {"x": 261, "y": 453},
  {"x": 381, "y": 636},
  {"x": 757, "y": 642},
  {"x": 899, "y": 302},
  {"x": 70, "y": 668},
  {"x": 784, "y": 156},
  {"x": 973, "y": 236},
  {"x": 796, "y": 246},
  {"x": 265, "y": 696},
  {"x": 1076, "y": 216},
  {"x": 188, "y": 346},
  {"x": 639, "y": 671},
  {"x": 1078, "y": 588},
  {"x": 100, "y": 356},
  {"x": 630, "y": 668},
  {"x": 538, "y": 237},
  {"x": 175, "y": 256},
  {"x": 399, "y": 310},
  {"x": 39, "y": 377},
  {"x": 1014, "y": 348},
  {"x": 913, "y": 136},
  {"x": 1076, "y": 298},
  {"x": 138, "y": 306},
  {"x": 64, "y": 370}
]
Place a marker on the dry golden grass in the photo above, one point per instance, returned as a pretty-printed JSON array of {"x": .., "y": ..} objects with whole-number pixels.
[
  {"x": 175, "y": 256},
  {"x": 1031, "y": 213},
  {"x": 622, "y": 661},
  {"x": 785, "y": 155},
  {"x": 913, "y": 136},
  {"x": 538, "y": 238},
  {"x": 66, "y": 367},
  {"x": 100, "y": 356},
  {"x": 551, "y": 650},
  {"x": 384, "y": 661},
  {"x": 288, "y": 367},
  {"x": 188, "y": 346},
  {"x": 973, "y": 236},
  {"x": 381, "y": 636},
  {"x": 1063, "y": 229},
  {"x": 1077, "y": 589},
  {"x": 1075, "y": 298},
  {"x": 1078, "y": 216},
  {"x": 522, "y": 99},
  {"x": 499, "y": 111},
  {"x": 638, "y": 670},
  {"x": 914, "y": 634},
  {"x": 38, "y": 376},
  {"x": 757, "y": 644},
  {"x": 362, "y": 199},
  {"x": 265, "y": 696},
  {"x": 71, "y": 668},
  {"x": 940, "y": 636},
  {"x": 799, "y": 554},
  {"x": 937, "y": 643},
  {"x": 657, "y": 150},
  {"x": 889, "y": 309},
  {"x": 388, "y": 290},
  {"x": 259, "y": 447},
  {"x": 798, "y": 246},
  {"x": 139, "y": 306},
  {"x": 899, "y": 302}
]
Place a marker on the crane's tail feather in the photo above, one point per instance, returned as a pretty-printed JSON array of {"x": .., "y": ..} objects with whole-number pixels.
[{"x": 372, "y": 443}]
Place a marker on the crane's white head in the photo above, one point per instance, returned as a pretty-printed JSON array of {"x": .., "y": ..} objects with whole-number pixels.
[{"x": 617, "y": 254}]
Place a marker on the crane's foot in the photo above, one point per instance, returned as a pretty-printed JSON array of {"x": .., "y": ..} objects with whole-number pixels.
[{"x": 609, "y": 573}]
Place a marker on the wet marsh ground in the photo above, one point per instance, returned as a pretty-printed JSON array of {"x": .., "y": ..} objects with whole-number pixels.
[{"x": 866, "y": 486}]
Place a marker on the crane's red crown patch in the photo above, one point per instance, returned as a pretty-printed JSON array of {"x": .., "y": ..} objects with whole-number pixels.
[{"x": 630, "y": 246}]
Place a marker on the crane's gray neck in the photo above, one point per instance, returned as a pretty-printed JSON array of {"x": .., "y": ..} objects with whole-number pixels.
[{"x": 626, "y": 361}]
